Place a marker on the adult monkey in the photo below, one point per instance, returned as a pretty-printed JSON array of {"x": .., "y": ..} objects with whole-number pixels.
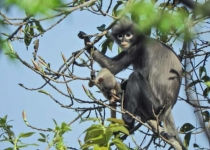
[{"x": 154, "y": 85}]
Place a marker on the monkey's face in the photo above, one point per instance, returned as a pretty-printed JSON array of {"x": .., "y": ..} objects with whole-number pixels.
[{"x": 124, "y": 39}]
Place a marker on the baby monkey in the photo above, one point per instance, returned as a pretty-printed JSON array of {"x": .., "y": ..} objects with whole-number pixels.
[{"x": 109, "y": 86}]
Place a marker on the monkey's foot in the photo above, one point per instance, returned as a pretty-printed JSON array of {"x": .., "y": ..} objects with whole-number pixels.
[{"x": 82, "y": 34}]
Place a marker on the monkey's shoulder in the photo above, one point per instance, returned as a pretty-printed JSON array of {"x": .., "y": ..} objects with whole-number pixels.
[{"x": 159, "y": 47}]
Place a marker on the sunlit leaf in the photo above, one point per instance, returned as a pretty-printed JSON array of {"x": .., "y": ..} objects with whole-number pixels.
[
  {"x": 116, "y": 128},
  {"x": 185, "y": 12},
  {"x": 44, "y": 92},
  {"x": 114, "y": 120},
  {"x": 119, "y": 144},
  {"x": 35, "y": 6},
  {"x": 95, "y": 134},
  {"x": 11, "y": 54},
  {"x": 86, "y": 146}
]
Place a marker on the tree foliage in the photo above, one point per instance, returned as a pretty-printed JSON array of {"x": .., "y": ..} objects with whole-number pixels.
[{"x": 183, "y": 25}]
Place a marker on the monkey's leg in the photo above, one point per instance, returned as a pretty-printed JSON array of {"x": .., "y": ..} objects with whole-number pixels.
[{"x": 139, "y": 99}]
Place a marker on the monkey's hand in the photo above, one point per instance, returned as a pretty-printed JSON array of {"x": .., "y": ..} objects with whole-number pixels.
[{"x": 83, "y": 35}]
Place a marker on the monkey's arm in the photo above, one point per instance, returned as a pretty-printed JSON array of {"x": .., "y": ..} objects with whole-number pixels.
[{"x": 115, "y": 64}]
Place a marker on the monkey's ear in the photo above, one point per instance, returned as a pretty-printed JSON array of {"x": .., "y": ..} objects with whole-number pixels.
[{"x": 100, "y": 80}]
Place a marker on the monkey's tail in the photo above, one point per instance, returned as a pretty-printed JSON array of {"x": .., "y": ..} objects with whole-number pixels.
[{"x": 170, "y": 128}]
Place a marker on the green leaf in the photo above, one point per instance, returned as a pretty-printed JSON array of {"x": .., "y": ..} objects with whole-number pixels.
[
  {"x": 26, "y": 145},
  {"x": 102, "y": 27},
  {"x": 116, "y": 128},
  {"x": 27, "y": 37},
  {"x": 55, "y": 122},
  {"x": 42, "y": 135},
  {"x": 6, "y": 140},
  {"x": 206, "y": 92},
  {"x": 37, "y": 6},
  {"x": 186, "y": 127},
  {"x": 114, "y": 11},
  {"x": 108, "y": 135},
  {"x": 193, "y": 83},
  {"x": 108, "y": 43},
  {"x": 201, "y": 70},
  {"x": 3, "y": 120},
  {"x": 195, "y": 145},
  {"x": 42, "y": 140},
  {"x": 86, "y": 146},
  {"x": 95, "y": 134},
  {"x": 10, "y": 46},
  {"x": 206, "y": 116},
  {"x": 39, "y": 27},
  {"x": 114, "y": 120},
  {"x": 207, "y": 83},
  {"x": 206, "y": 80},
  {"x": 187, "y": 138},
  {"x": 9, "y": 148},
  {"x": 88, "y": 119},
  {"x": 91, "y": 94},
  {"x": 119, "y": 49},
  {"x": 119, "y": 144},
  {"x": 96, "y": 147},
  {"x": 135, "y": 17},
  {"x": 44, "y": 92},
  {"x": 184, "y": 11},
  {"x": 24, "y": 135},
  {"x": 11, "y": 54},
  {"x": 31, "y": 29}
]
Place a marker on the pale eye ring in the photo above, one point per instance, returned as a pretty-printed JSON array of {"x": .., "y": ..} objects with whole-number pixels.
[
  {"x": 119, "y": 36},
  {"x": 128, "y": 36}
]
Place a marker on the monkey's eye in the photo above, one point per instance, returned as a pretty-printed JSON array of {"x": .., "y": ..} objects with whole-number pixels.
[
  {"x": 119, "y": 36},
  {"x": 128, "y": 35}
]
